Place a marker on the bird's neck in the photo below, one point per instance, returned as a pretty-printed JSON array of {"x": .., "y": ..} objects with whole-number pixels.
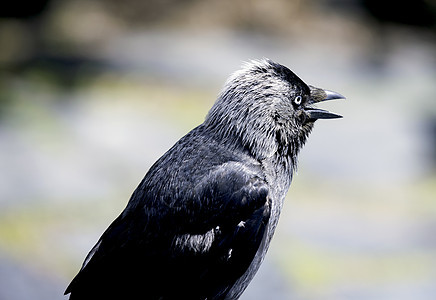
[
  {"x": 279, "y": 170},
  {"x": 279, "y": 160}
]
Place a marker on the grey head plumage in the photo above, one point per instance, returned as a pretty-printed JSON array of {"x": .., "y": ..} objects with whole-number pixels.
[{"x": 268, "y": 108}]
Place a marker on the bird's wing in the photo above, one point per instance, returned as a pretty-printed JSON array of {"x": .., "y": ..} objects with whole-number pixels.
[{"x": 207, "y": 236}]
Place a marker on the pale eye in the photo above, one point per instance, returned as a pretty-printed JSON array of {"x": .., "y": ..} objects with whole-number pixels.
[{"x": 297, "y": 100}]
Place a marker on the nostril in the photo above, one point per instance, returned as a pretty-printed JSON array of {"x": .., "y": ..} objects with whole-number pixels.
[{"x": 301, "y": 117}]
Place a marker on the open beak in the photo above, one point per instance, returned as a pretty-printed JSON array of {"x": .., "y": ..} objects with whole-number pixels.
[{"x": 320, "y": 95}]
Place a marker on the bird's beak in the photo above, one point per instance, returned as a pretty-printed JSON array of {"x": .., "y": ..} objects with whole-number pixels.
[{"x": 320, "y": 95}]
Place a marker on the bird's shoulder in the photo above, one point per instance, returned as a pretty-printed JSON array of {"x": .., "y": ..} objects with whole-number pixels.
[
  {"x": 199, "y": 168},
  {"x": 197, "y": 153}
]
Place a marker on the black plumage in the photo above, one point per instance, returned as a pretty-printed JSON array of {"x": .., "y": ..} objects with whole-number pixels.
[{"x": 199, "y": 224}]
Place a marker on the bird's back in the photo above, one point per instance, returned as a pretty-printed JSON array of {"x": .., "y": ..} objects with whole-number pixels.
[{"x": 190, "y": 230}]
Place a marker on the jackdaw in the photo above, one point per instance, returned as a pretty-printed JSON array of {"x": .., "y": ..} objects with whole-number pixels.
[{"x": 199, "y": 224}]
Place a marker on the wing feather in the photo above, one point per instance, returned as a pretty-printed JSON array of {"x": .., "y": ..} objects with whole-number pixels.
[{"x": 196, "y": 247}]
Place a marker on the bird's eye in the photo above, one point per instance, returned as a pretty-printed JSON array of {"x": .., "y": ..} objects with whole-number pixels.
[{"x": 298, "y": 100}]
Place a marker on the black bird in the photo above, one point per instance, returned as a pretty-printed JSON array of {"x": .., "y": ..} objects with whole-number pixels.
[{"x": 199, "y": 224}]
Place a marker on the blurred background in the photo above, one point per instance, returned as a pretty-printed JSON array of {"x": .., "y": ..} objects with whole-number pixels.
[{"x": 93, "y": 92}]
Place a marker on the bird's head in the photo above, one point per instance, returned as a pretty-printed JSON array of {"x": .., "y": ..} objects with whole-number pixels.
[{"x": 269, "y": 109}]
